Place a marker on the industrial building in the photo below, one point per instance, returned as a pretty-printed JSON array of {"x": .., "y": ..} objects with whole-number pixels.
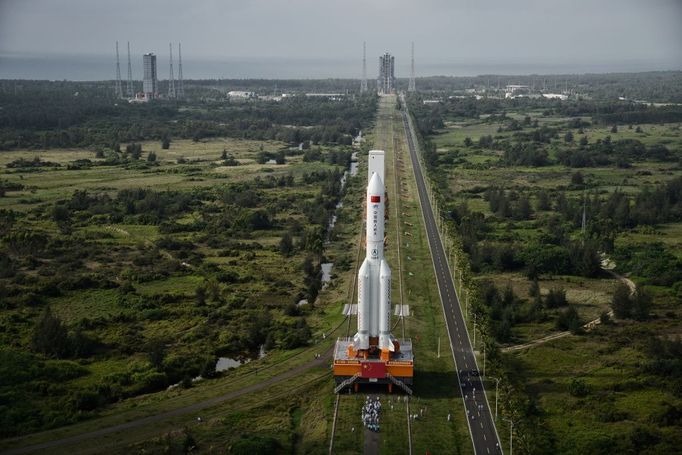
[
  {"x": 150, "y": 84},
  {"x": 373, "y": 355},
  {"x": 386, "y": 80}
]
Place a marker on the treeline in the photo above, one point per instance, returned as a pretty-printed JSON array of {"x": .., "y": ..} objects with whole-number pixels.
[
  {"x": 30, "y": 121},
  {"x": 658, "y": 86}
]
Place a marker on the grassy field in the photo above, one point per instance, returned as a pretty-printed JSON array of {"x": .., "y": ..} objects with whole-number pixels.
[
  {"x": 618, "y": 402},
  {"x": 296, "y": 415},
  {"x": 264, "y": 279}
]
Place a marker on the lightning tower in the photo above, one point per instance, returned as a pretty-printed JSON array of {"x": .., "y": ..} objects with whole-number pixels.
[
  {"x": 130, "y": 75},
  {"x": 411, "y": 87},
  {"x": 181, "y": 87},
  {"x": 363, "y": 83},
  {"x": 171, "y": 79},
  {"x": 119, "y": 90}
]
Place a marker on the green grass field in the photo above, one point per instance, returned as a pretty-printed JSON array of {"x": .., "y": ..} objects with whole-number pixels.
[{"x": 623, "y": 400}]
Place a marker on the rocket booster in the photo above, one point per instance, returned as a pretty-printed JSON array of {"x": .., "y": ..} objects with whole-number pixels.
[{"x": 374, "y": 276}]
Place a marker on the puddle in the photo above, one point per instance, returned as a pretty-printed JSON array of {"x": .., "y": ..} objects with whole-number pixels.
[
  {"x": 226, "y": 363},
  {"x": 327, "y": 271}
]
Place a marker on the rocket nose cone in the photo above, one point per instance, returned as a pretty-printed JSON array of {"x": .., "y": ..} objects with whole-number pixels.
[{"x": 375, "y": 186}]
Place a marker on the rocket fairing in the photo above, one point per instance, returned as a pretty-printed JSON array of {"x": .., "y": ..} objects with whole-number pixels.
[{"x": 374, "y": 277}]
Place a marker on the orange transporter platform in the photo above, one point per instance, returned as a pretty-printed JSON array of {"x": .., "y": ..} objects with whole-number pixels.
[{"x": 352, "y": 369}]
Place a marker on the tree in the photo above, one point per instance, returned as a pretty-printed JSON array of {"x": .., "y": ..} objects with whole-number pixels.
[
  {"x": 604, "y": 318},
  {"x": 151, "y": 157},
  {"x": 50, "y": 336},
  {"x": 156, "y": 352},
  {"x": 134, "y": 150},
  {"x": 578, "y": 388},
  {"x": 621, "y": 303},
  {"x": 556, "y": 298},
  {"x": 543, "y": 201},
  {"x": 200, "y": 296},
  {"x": 534, "y": 289},
  {"x": 165, "y": 142},
  {"x": 569, "y": 320},
  {"x": 468, "y": 142},
  {"x": 641, "y": 304},
  {"x": 286, "y": 245},
  {"x": 578, "y": 179},
  {"x": 568, "y": 137},
  {"x": 614, "y": 129}
]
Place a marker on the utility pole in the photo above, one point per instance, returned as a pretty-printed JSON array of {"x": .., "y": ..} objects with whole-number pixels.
[
  {"x": 474, "y": 331},
  {"x": 466, "y": 305},
  {"x": 483, "y": 358},
  {"x": 497, "y": 383}
]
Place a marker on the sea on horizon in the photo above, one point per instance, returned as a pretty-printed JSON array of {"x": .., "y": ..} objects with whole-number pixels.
[{"x": 103, "y": 67}]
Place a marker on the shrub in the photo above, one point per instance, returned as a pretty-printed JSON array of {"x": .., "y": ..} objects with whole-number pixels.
[{"x": 578, "y": 388}]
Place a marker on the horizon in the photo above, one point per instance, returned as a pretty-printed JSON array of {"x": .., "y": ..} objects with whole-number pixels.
[{"x": 101, "y": 67}]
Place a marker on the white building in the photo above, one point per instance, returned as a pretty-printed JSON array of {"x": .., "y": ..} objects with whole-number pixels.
[
  {"x": 555, "y": 96},
  {"x": 241, "y": 94},
  {"x": 514, "y": 90}
]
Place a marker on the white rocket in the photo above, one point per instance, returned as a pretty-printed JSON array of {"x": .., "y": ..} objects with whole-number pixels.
[{"x": 374, "y": 276}]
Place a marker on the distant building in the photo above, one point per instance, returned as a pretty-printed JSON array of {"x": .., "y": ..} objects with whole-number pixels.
[
  {"x": 386, "y": 80},
  {"x": 329, "y": 96},
  {"x": 515, "y": 91},
  {"x": 150, "y": 85},
  {"x": 555, "y": 96},
  {"x": 241, "y": 94}
]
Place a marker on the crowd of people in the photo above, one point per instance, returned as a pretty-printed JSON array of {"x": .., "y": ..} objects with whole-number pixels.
[{"x": 370, "y": 413}]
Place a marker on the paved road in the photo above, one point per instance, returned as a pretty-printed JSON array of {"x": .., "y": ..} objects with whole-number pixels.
[{"x": 483, "y": 433}]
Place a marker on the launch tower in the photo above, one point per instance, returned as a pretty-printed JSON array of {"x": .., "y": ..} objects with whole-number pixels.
[
  {"x": 373, "y": 354},
  {"x": 386, "y": 80}
]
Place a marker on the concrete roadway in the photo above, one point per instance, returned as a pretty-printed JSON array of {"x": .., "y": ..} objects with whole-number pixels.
[{"x": 481, "y": 426}]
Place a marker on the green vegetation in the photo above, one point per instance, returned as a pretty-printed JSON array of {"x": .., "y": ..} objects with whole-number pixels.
[
  {"x": 543, "y": 197},
  {"x": 130, "y": 268},
  {"x": 46, "y": 116}
]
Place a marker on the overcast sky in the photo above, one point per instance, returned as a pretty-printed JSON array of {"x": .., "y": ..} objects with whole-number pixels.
[{"x": 447, "y": 31}]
